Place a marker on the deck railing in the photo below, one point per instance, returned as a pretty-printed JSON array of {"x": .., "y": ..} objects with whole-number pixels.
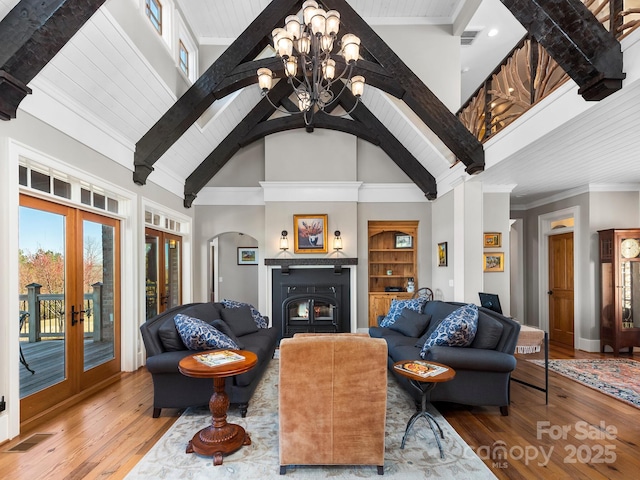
[
  {"x": 529, "y": 74},
  {"x": 46, "y": 319}
]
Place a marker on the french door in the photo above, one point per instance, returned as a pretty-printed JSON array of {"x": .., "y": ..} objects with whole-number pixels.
[
  {"x": 163, "y": 271},
  {"x": 69, "y": 302}
]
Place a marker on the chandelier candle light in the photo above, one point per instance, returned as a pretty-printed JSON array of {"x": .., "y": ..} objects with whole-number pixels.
[{"x": 305, "y": 48}]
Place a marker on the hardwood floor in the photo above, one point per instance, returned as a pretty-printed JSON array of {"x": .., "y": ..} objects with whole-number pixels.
[
  {"x": 581, "y": 433},
  {"x": 107, "y": 434}
]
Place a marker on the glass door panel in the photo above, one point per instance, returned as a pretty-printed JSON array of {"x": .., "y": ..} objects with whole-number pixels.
[
  {"x": 42, "y": 268},
  {"x": 163, "y": 271},
  {"x": 99, "y": 293},
  {"x": 172, "y": 268},
  {"x": 322, "y": 310},
  {"x": 299, "y": 310},
  {"x": 69, "y": 302},
  {"x": 152, "y": 269}
]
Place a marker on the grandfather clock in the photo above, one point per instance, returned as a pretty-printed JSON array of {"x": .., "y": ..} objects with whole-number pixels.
[{"x": 620, "y": 289}]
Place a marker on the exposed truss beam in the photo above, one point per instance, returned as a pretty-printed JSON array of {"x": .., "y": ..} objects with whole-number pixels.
[
  {"x": 256, "y": 125},
  {"x": 576, "y": 40},
  {"x": 231, "y": 144},
  {"x": 416, "y": 95},
  {"x": 235, "y": 69},
  {"x": 202, "y": 93},
  {"x": 30, "y": 35},
  {"x": 392, "y": 146}
]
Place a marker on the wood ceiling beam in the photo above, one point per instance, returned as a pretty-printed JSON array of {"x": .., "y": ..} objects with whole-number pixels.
[
  {"x": 256, "y": 125},
  {"x": 391, "y": 146},
  {"x": 320, "y": 120},
  {"x": 30, "y": 36},
  {"x": 575, "y": 39},
  {"x": 416, "y": 95},
  {"x": 200, "y": 96},
  {"x": 231, "y": 144}
]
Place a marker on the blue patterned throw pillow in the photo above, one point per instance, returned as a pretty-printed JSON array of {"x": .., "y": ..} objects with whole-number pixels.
[
  {"x": 199, "y": 335},
  {"x": 395, "y": 310},
  {"x": 261, "y": 322},
  {"x": 458, "y": 329}
]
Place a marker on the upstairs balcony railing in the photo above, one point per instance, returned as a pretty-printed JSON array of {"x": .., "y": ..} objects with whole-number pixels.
[{"x": 529, "y": 74}]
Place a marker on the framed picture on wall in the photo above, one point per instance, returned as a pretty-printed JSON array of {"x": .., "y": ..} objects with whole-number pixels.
[
  {"x": 247, "y": 255},
  {"x": 442, "y": 254},
  {"x": 310, "y": 233},
  {"x": 404, "y": 241},
  {"x": 493, "y": 262},
  {"x": 492, "y": 240}
]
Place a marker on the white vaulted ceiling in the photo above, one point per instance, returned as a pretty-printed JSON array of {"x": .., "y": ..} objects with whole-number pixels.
[{"x": 102, "y": 77}]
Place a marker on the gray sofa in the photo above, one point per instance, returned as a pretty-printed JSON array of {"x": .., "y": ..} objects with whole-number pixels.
[
  {"x": 164, "y": 349},
  {"x": 483, "y": 369}
]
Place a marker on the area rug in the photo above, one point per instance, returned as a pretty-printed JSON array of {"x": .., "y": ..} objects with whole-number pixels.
[
  {"x": 420, "y": 458},
  {"x": 618, "y": 378}
]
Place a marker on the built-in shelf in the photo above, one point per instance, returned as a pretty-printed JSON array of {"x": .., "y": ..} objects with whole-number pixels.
[{"x": 286, "y": 263}]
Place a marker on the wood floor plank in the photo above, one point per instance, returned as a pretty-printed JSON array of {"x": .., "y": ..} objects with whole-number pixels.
[{"x": 106, "y": 434}]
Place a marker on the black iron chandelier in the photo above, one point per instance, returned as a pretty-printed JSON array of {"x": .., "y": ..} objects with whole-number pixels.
[{"x": 305, "y": 47}]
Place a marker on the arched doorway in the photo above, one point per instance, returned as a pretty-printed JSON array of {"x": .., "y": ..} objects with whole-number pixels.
[{"x": 234, "y": 262}]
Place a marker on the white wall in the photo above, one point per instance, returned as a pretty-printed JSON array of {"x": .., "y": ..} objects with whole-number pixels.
[
  {"x": 495, "y": 217},
  {"x": 328, "y": 156},
  {"x": 442, "y": 231},
  {"x": 237, "y": 282},
  {"x": 434, "y": 55},
  {"x": 213, "y": 221}
]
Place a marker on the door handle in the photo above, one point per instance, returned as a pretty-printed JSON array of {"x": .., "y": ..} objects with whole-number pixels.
[
  {"x": 550, "y": 292},
  {"x": 74, "y": 313}
]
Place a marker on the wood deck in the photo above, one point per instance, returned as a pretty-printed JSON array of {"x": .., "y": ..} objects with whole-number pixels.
[{"x": 45, "y": 358}]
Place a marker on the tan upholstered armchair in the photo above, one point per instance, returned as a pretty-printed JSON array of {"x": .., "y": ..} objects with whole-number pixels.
[{"x": 332, "y": 400}]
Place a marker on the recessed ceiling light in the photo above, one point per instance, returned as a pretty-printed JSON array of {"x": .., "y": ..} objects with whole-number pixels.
[
  {"x": 465, "y": 69},
  {"x": 493, "y": 32}
]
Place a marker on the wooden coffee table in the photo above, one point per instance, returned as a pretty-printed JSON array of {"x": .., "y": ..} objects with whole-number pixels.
[
  {"x": 219, "y": 438},
  {"x": 424, "y": 385}
]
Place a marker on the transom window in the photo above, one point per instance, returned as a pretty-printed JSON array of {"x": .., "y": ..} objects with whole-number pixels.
[
  {"x": 61, "y": 185},
  {"x": 183, "y": 58},
  {"x": 154, "y": 12},
  {"x": 160, "y": 220}
]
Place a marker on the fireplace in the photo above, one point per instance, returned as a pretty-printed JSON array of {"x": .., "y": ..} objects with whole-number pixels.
[{"x": 311, "y": 300}]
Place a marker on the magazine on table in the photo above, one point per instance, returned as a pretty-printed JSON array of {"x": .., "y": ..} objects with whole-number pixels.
[
  {"x": 421, "y": 368},
  {"x": 215, "y": 359}
]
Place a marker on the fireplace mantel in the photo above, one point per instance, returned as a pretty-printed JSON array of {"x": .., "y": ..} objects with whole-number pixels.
[{"x": 286, "y": 263}]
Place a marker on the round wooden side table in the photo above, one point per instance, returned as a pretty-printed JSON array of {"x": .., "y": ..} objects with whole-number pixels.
[
  {"x": 219, "y": 438},
  {"x": 424, "y": 384}
]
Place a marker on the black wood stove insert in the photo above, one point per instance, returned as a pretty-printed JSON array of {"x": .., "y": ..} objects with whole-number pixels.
[{"x": 311, "y": 300}]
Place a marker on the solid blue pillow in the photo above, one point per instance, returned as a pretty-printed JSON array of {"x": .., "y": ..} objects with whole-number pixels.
[
  {"x": 411, "y": 323},
  {"x": 261, "y": 322},
  {"x": 199, "y": 335},
  {"x": 395, "y": 310},
  {"x": 458, "y": 329}
]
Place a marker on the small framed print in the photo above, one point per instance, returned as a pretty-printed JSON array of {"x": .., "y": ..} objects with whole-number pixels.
[
  {"x": 442, "y": 254},
  {"x": 492, "y": 240},
  {"x": 247, "y": 255},
  {"x": 310, "y": 233},
  {"x": 404, "y": 241},
  {"x": 493, "y": 262}
]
